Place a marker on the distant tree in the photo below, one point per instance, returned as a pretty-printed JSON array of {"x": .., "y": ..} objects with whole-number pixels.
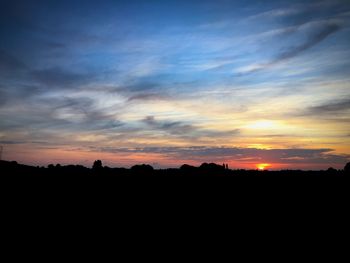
[
  {"x": 347, "y": 167},
  {"x": 142, "y": 169},
  {"x": 211, "y": 167},
  {"x": 97, "y": 165},
  {"x": 51, "y": 166},
  {"x": 331, "y": 170},
  {"x": 187, "y": 167}
]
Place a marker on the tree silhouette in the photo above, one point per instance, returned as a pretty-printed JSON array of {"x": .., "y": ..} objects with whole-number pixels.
[
  {"x": 97, "y": 165},
  {"x": 331, "y": 170},
  {"x": 142, "y": 169},
  {"x": 347, "y": 167}
]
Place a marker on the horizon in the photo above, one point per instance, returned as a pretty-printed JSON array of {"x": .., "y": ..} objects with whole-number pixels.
[
  {"x": 224, "y": 167},
  {"x": 256, "y": 85}
]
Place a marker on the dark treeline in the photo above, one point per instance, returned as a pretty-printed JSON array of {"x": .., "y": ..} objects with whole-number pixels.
[{"x": 13, "y": 169}]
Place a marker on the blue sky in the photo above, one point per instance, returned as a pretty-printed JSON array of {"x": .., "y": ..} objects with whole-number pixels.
[{"x": 91, "y": 77}]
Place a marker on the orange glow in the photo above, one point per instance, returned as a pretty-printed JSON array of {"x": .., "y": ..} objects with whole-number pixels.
[{"x": 263, "y": 166}]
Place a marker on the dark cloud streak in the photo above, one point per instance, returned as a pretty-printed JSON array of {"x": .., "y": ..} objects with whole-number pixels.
[
  {"x": 311, "y": 42},
  {"x": 50, "y": 114},
  {"x": 183, "y": 129},
  {"x": 176, "y": 128},
  {"x": 314, "y": 38},
  {"x": 331, "y": 108},
  {"x": 141, "y": 91}
]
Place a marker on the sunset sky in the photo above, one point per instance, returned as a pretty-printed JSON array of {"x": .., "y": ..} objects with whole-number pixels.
[{"x": 248, "y": 83}]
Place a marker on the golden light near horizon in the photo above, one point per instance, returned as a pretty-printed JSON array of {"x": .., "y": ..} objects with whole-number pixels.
[
  {"x": 263, "y": 124},
  {"x": 263, "y": 166}
]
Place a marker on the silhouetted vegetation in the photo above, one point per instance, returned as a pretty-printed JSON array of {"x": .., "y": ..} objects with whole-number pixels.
[
  {"x": 347, "y": 167},
  {"x": 13, "y": 169},
  {"x": 97, "y": 165},
  {"x": 142, "y": 169}
]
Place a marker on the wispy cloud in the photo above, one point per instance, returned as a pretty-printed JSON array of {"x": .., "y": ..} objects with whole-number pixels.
[
  {"x": 57, "y": 77},
  {"x": 185, "y": 129},
  {"x": 275, "y": 13},
  {"x": 315, "y": 37},
  {"x": 61, "y": 114},
  {"x": 148, "y": 97},
  {"x": 312, "y": 41},
  {"x": 331, "y": 108},
  {"x": 9, "y": 63},
  {"x": 177, "y": 128}
]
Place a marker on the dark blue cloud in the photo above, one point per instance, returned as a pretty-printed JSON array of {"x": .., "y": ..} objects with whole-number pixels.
[
  {"x": 175, "y": 127},
  {"x": 9, "y": 63},
  {"x": 179, "y": 128},
  {"x": 57, "y": 77},
  {"x": 331, "y": 108}
]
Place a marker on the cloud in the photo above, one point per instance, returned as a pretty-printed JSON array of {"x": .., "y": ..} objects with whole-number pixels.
[
  {"x": 82, "y": 114},
  {"x": 140, "y": 86},
  {"x": 141, "y": 91},
  {"x": 314, "y": 38},
  {"x": 11, "y": 142},
  {"x": 300, "y": 13},
  {"x": 275, "y": 13},
  {"x": 58, "y": 77},
  {"x": 21, "y": 81},
  {"x": 337, "y": 107},
  {"x": 176, "y": 128},
  {"x": 250, "y": 155},
  {"x": 185, "y": 129},
  {"x": 9, "y": 63},
  {"x": 148, "y": 96},
  {"x": 3, "y": 97},
  {"x": 61, "y": 114},
  {"x": 312, "y": 41}
]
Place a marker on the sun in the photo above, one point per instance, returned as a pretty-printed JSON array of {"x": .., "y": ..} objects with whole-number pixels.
[{"x": 263, "y": 166}]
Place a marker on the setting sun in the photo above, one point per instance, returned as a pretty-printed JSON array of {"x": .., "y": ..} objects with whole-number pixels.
[{"x": 263, "y": 166}]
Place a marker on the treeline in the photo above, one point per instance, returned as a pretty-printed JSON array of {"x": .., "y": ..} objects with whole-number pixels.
[{"x": 206, "y": 169}]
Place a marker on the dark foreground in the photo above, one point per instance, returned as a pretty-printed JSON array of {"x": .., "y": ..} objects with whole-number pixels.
[
  {"x": 146, "y": 185},
  {"x": 15, "y": 170}
]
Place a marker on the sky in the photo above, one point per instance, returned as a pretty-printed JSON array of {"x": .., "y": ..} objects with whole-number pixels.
[{"x": 171, "y": 82}]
